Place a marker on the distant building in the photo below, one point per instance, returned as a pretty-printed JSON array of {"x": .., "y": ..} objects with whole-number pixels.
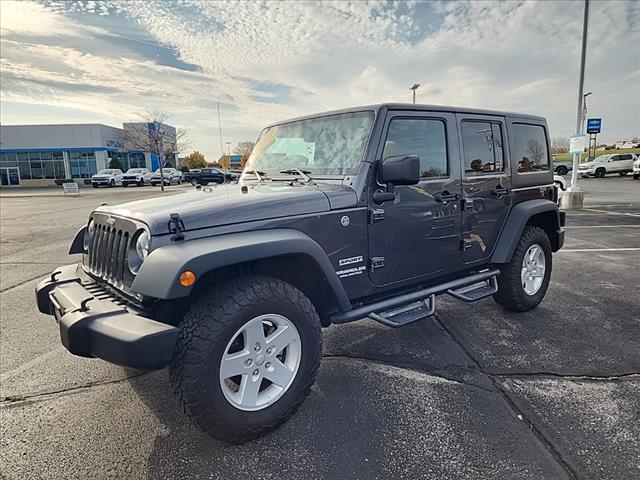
[
  {"x": 235, "y": 161},
  {"x": 37, "y": 155}
]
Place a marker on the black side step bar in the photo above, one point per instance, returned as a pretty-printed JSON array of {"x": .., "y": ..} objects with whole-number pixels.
[
  {"x": 453, "y": 288},
  {"x": 475, "y": 291}
]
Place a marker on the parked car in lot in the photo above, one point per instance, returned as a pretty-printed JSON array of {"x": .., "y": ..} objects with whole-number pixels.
[
  {"x": 561, "y": 184},
  {"x": 136, "y": 176},
  {"x": 620, "y": 163},
  {"x": 636, "y": 168},
  {"x": 107, "y": 178},
  {"x": 170, "y": 175},
  {"x": 209, "y": 175},
  {"x": 231, "y": 291},
  {"x": 562, "y": 167}
]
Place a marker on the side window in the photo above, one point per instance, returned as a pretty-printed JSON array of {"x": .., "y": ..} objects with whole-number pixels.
[
  {"x": 424, "y": 137},
  {"x": 483, "y": 148},
  {"x": 624, "y": 157},
  {"x": 530, "y": 148}
]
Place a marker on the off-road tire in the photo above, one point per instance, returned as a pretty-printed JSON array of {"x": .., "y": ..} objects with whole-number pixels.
[
  {"x": 205, "y": 331},
  {"x": 511, "y": 294}
]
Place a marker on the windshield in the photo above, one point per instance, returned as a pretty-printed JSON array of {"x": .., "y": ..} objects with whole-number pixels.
[
  {"x": 601, "y": 158},
  {"x": 135, "y": 170},
  {"x": 165, "y": 170},
  {"x": 105, "y": 172},
  {"x": 331, "y": 145}
]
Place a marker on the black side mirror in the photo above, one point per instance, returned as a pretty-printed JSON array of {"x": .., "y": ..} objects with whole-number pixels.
[{"x": 401, "y": 170}]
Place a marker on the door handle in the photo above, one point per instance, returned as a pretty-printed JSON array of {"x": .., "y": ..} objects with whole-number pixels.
[
  {"x": 499, "y": 191},
  {"x": 446, "y": 197}
]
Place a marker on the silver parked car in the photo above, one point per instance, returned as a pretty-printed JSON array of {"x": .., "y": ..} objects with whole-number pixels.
[
  {"x": 620, "y": 163},
  {"x": 136, "y": 176},
  {"x": 171, "y": 175}
]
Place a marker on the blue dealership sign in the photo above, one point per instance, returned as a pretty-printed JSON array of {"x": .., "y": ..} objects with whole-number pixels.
[{"x": 593, "y": 125}]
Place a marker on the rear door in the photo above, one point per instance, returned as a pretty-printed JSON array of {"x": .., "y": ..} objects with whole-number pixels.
[
  {"x": 418, "y": 234},
  {"x": 486, "y": 183}
]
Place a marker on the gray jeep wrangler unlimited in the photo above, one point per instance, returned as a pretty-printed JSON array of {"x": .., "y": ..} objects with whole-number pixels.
[{"x": 365, "y": 212}]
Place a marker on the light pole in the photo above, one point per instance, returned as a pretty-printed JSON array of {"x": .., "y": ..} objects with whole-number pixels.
[
  {"x": 414, "y": 88},
  {"x": 575, "y": 197}
]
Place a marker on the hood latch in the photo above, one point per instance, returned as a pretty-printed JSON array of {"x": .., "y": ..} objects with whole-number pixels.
[{"x": 176, "y": 227}]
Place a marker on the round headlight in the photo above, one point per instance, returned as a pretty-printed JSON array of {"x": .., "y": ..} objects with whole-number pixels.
[
  {"x": 88, "y": 234},
  {"x": 138, "y": 251},
  {"x": 142, "y": 245}
]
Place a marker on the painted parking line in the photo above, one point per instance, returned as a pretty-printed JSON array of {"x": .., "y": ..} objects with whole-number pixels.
[
  {"x": 573, "y": 250},
  {"x": 612, "y": 213},
  {"x": 603, "y": 226}
]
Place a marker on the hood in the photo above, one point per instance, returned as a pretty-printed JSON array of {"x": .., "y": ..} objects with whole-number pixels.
[{"x": 226, "y": 205}]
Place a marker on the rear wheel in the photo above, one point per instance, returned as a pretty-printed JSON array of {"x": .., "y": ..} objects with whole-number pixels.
[
  {"x": 636, "y": 177},
  {"x": 194, "y": 182},
  {"x": 562, "y": 170},
  {"x": 246, "y": 357},
  {"x": 523, "y": 282},
  {"x": 600, "y": 172}
]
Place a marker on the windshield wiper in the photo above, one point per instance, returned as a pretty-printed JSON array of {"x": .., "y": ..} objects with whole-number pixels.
[
  {"x": 303, "y": 173},
  {"x": 261, "y": 176}
]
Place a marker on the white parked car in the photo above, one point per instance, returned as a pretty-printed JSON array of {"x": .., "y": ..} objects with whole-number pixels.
[
  {"x": 561, "y": 185},
  {"x": 636, "y": 168},
  {"x": 171, "y": 175},
  {"x": 621, "y": 163},
  {"x": 107, "y": 178},
  {"x": 136, "y": 176}
]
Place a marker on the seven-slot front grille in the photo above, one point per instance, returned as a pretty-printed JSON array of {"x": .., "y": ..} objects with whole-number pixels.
[{"x": 107, "y": 258}]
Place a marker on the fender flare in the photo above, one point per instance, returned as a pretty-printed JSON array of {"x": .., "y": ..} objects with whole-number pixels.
[
  {"x": 514, "y": 226},
  {"x": 159, "y": 274}
]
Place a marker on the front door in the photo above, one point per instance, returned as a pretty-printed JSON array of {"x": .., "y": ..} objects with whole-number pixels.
[
  {"x": 486, "y": 184},
  {"x": 9, "y": 177},
  {"x": 418, "y": 233}
]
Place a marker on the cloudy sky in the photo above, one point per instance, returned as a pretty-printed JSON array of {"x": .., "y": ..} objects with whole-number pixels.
[{"x": 109, "y": 61}]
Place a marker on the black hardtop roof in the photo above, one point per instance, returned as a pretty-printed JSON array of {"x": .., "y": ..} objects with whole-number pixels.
[{"x": 417, "y": 107}]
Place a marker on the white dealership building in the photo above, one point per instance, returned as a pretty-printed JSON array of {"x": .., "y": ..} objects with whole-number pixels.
[{"x": 38, "y": 155}]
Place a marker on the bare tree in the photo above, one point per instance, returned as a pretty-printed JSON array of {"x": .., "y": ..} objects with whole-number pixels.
[
  {"x": 153, "y": 134},
  {"x": 244, "y": 149},
  {"x": 559, "y": 145},
  {"x": 535, "y": 151}
]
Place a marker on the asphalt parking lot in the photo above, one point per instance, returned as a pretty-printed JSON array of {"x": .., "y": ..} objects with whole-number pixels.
[{"x": 473, "y": 392}]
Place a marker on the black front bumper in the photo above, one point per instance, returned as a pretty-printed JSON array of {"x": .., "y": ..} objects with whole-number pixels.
[{"x": 94, "y": 323}]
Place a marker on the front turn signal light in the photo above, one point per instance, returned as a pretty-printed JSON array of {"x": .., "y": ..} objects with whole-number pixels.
[{"x": 187, "y": 278}]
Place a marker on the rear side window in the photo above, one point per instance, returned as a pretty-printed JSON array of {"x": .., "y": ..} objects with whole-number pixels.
[
  {"x": 483, "y": 148},
  {"x": 424, "y": 137},
  {"x": 624, "y": 157},
  {"x": 530, "y": 148}
]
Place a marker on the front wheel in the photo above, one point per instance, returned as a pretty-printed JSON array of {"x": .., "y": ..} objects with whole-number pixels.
[
  {"x": 600, "y": 173},
  {"x": 562, "y": 170},
  {"x": 636, "y": 177},
  {"x": 112, "y": 183},
  {"x": 622, "y": 174},
  {"x": 523, "y": 282},
  {"x": 246, "y": 357},
  {"x": 194, "y": 182}
]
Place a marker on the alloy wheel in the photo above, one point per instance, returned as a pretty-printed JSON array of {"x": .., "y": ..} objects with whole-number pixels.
[{"x": 260, "y": 362}]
